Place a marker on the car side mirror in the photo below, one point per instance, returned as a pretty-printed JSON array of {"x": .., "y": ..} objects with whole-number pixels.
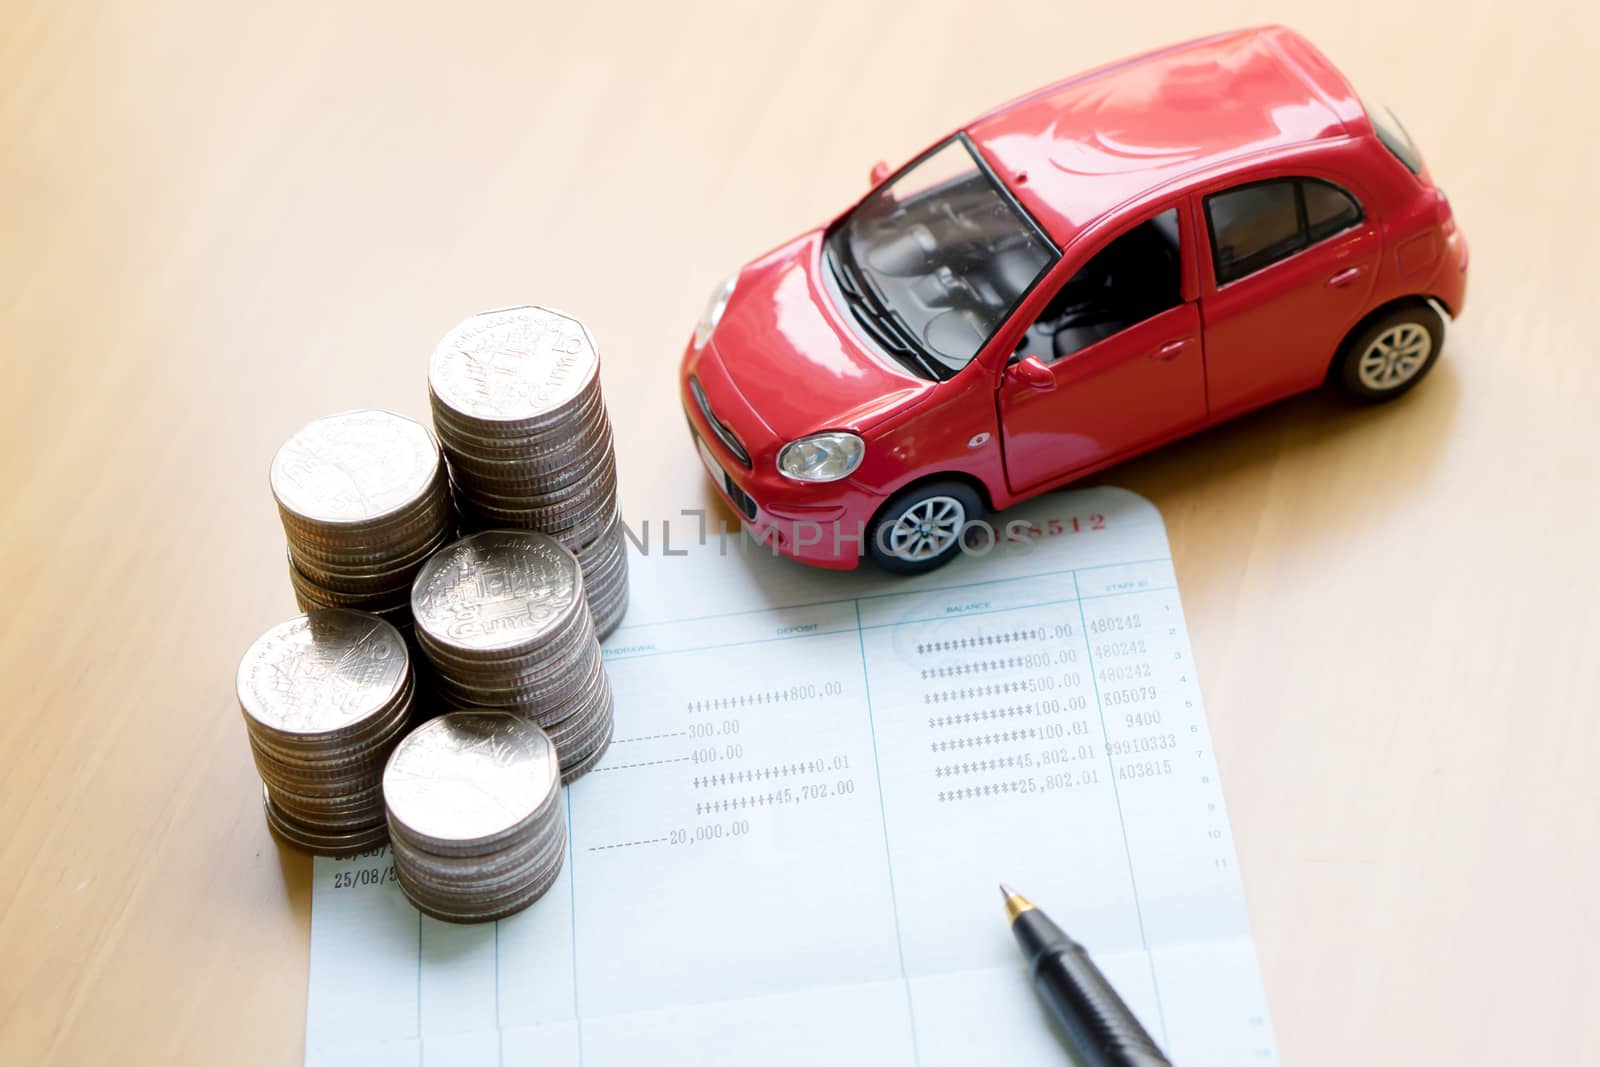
[
  {"x": 880, "y": 171},
  {"x": 1031, "y": 371}
]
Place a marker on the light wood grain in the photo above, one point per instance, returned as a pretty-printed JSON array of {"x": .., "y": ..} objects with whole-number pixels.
[{"x": 218, "y": 220}]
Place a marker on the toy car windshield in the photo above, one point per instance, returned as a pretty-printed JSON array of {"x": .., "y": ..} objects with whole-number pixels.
[{"x": 930, "y": 264}]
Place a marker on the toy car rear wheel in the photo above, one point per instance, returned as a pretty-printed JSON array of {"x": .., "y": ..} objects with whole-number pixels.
[
  {"x": 921, "y": 529},
  {"x": 1390, "y": 355}
]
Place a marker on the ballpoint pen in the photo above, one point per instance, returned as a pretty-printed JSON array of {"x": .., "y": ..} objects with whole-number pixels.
[{"x": 1100, "y": 1029}]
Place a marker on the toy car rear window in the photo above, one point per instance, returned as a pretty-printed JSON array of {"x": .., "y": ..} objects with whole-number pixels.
[
  {"x": 1329, "y": 208},
  {"x": 1394, "y": 136}
]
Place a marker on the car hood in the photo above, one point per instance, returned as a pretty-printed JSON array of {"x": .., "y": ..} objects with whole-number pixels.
[{"x": 799, "y": 367}]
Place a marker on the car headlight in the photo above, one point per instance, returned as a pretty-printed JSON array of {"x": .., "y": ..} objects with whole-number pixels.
[
  {"x": 713, "y": 313},
  {"x": 822, "y": 457}
]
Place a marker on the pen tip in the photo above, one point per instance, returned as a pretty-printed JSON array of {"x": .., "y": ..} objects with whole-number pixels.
[{"x": 1016, "y": 903}]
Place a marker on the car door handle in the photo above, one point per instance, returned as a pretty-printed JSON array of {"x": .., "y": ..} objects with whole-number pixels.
[
  {"x": 1170, "y": 350},
  {"x": 1344, "y": 277}
]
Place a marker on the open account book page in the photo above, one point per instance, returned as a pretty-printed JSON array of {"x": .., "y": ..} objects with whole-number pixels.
[{"x": 790, "y": 853}]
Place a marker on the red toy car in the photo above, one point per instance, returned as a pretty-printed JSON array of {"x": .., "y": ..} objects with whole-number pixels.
[{"x": 1093, "y": 270}]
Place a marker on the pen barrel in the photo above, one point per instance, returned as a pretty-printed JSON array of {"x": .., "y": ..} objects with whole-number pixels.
[{"x": 1098, "y": 1025}]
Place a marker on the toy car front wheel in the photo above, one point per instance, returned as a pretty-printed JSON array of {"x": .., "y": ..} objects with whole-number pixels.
[
  {"x": 1389, "y": 355},
  {"x": 921, "y": 529}
]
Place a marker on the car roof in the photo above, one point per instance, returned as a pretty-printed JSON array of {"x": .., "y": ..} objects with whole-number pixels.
[{"x": 1078, "y": 149}]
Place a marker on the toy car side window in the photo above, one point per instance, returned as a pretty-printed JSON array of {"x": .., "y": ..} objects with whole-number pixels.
[
  {"x": 1329, "y": 208},
  {"x": 1256, "y": 225},
  {"x": 1253, "y": 227},
  {"x": 1137, "y": 275}
]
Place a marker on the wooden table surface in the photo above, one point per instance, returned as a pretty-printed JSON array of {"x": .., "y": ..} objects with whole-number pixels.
[{"x": 227, "y": 219}]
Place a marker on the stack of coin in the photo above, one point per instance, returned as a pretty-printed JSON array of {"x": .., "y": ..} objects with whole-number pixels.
[
  {"x": 502, "y": 617},
  {"x": 326, "y": 697},
  {"x": 517, "y": 405},
  {"x": 364, "y": 498},
  {"x": 475, "y": 822}
]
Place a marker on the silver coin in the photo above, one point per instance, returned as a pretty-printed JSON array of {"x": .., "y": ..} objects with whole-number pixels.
[
  {"x": 335, "y": 785},
  {"x": 543, "y": 460},
  {"x": 501, "y": 909},
  {"x": 513, "y": 365},
  {"x": 469, "y": 776},
  {"x": 538, "y": 699},
  {"x": 500, "y": 590},
  {"x": 612, "y": 539},
  {"x": 321, "y": 842},
  {"x": 478, "y": 431},
  {"x": 583, "y": 766},
  {"x": 608, "y": 609},
  {"x": 303, "y": 831},
  {"x": 329, "y": 812},
  {"x": 407, "y": 525},
  {"x": 579, "y": 532},
  {"x": 535, "y": 695},
  {"x": 342, "y": 778},
  {"x": 307, "y": 601},
  {"x": 467, "y": 881},
  {"x": 608, "y": 580},
  {"x": 601, "y": 573},
  {"x": 487, "y": 875},
  {"x": 530, "y": 486},
  {"x": 609, "y": 617},
  {"x": 582, "y": 687},
  {"x": 610, "y": 575},
  {"x": 607, "y": 591},
  {"x": 384, "y": 605},
  {"x": 597, "y": 719},
  {"x": 570, "y": 733},
  {"x": 349, "y": 743},
  {"x": 373, "y": 582},
  {"x": 605, "y": 579},
  {"x": 588, "y": 467},
  {"x": 548, "y": 465},
  {"x": 393, "y": 596},
  {"x": 597, "y": 489},
  {"x": 322, "y": 674},
  {"x": 533, "y": 706},
  {"x": 603, "y": 567},
  {"x": 519, "y": 889},
  {"x": 315, "y": 806},
  {"x": 571, "y": 529},
  {"x": 466, "y": 666},
  {"x": 339, "y": 781},
  {"x": 330, "y": 571},
  {"x": 354, "y": 467},
  {"x": 551, "y": 658},
  {"x": 377, "y": 548},
  {"x": 492, "y": 440}
]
